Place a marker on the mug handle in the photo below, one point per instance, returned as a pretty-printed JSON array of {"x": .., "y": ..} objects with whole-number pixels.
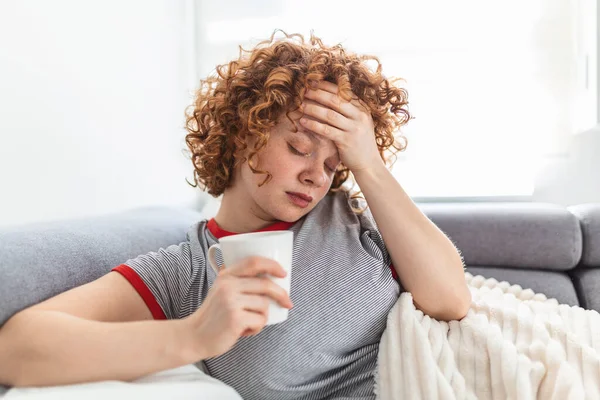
[{"x": 212, "y": 261}]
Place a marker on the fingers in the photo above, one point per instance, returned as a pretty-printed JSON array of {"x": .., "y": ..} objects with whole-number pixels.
[
  {"x": 253, "y": 266},
  {"x": 333, "y": 101},
  {"x": 266, "y": 287},
  {"x": 323, "y": 129},
  {"x": 332, "y": 88},
  {"x": 255, "y": 303},
  {"x": 327, "y": 86},
  {"x": 321, "y": 113},
  {"x": 249, "y": 270},
  {"x": 254, "y": 323}
]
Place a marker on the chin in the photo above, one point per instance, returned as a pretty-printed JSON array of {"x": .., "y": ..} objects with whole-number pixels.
[
  {"x": 289, "y": 213},
  {"x": 281, "y": 209}
]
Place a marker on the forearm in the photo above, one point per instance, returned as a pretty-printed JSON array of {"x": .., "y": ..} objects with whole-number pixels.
[
  {"x": 43, "y": 348},
  {"x": 427, "y": 262}
]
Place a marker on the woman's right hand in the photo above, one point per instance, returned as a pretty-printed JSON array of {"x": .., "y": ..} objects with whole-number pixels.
[{"x": 236, "y": 305}]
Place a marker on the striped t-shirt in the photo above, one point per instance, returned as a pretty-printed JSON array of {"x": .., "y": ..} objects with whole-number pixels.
[{"x": 342, "y": 287}]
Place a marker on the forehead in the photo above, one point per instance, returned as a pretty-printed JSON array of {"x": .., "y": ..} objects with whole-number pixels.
[{"x": 294, "y": 129}]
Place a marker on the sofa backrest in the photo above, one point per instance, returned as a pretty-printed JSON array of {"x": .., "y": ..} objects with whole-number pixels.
[
  {"x": 586, "y": 277},
  {"x": 518, "y": 235},
  {"x": 589, "y": 220},
  {"x": 38, "y": 261}
]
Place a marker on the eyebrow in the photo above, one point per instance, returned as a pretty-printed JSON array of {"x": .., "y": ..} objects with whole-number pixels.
[
  {"x": 312, "y": 136},
  {"x": 315, "y": 139}
]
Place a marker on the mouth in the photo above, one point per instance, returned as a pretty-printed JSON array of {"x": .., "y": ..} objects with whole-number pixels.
[{"x": 299, "y": 199}]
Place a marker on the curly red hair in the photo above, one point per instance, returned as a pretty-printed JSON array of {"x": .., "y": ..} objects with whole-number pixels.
[{"x": 246, "y": 98}]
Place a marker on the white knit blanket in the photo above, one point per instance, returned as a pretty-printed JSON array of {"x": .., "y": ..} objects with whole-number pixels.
[{"x": 513, "y": 344}]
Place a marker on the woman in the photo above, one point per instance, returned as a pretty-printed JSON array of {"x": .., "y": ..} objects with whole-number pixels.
[{"x": 277, "y": 133}]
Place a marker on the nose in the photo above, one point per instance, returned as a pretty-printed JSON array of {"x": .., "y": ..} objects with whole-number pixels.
[{"x": 313, "y": 176}]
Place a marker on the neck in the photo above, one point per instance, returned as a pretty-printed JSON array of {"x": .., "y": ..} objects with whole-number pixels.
[{"x": 239, "y": 214}]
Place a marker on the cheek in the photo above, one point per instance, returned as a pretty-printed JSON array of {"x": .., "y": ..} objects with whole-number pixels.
[
  {"x": 282, "y": 171},
  {"x": 283, "y": 167}
]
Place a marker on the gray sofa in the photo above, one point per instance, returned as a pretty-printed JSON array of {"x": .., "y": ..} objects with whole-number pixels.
[{"x": 548, "y": 248}]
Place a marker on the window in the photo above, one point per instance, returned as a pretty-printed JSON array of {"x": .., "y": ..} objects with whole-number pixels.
[{"x": 494, "y": 87}]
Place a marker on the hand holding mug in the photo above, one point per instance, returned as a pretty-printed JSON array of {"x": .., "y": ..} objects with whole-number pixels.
[
  {"x": 237, "y": 305},
  {"x": 251, "y": 290}
]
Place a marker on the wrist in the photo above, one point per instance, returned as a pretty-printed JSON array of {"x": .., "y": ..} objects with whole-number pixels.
[
  {"x": 371, "y": 172},
  {"x": 190, "y": 348}
]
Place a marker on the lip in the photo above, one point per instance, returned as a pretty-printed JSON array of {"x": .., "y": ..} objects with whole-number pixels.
[
  {"x": 300, "y": 199},
  {"x": 302, "y": 196}
]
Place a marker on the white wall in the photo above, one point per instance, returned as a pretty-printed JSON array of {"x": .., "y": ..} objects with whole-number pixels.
[
  {"x": 470, "y": 152},
  {"x": 573, "y": 177},
  {"x": 92, "y": 96},
  {"x": 92, "y": 99}
]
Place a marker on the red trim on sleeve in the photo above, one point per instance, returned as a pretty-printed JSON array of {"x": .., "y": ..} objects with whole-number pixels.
[
  {"x": 139, "y": 285},
  {"x": 394, "y": 273},
  {"x": 218, "y": 232}
]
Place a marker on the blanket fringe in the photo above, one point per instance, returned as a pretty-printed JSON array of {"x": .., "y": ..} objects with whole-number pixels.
[{"x": 513, "y": 344}]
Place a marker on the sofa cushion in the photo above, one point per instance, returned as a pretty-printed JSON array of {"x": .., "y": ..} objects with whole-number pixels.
[
  {"x": 44, "y": 259},
  {"x": 526, "y": 235},
  {"x": 589, "y": 220},
  {"x": 587, "y": 283},
  {"x": 553, "y": 284}
]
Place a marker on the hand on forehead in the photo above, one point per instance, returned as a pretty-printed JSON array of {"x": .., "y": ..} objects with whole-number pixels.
[
  {"x": 347, "y": 123},
  {"x": 305, "y": 133},
  {"x": 332, "y": 90},
  {"x": 305, "y": 136}
]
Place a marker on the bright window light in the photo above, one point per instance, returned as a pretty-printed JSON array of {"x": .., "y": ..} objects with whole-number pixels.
[{"x": 494, "y": 87}]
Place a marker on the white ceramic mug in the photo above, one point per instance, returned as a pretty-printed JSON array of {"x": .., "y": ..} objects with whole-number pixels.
[{"x": 275, "y": 245}]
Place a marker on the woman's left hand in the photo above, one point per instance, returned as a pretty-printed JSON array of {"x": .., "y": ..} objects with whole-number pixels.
[{"x": 348, "y": 124}]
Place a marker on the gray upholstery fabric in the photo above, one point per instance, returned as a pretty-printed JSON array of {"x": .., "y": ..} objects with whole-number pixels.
[
  {"x": 589, "y": 219},
  {"x": 529, "y": 244},
  {"x": 554, "y": 284},
  {"x": 587, "y": 284},
  {"x": 41, "y": 260},
  {"x": 528, "y": 235}
]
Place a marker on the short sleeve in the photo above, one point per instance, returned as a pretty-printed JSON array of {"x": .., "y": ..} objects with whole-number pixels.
[
  {"x": 371, "y": 238},
  {"x": 165, "y": 279}
]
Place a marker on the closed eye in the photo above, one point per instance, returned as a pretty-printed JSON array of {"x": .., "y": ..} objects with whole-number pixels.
[{"x": 297, "y": 152}]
